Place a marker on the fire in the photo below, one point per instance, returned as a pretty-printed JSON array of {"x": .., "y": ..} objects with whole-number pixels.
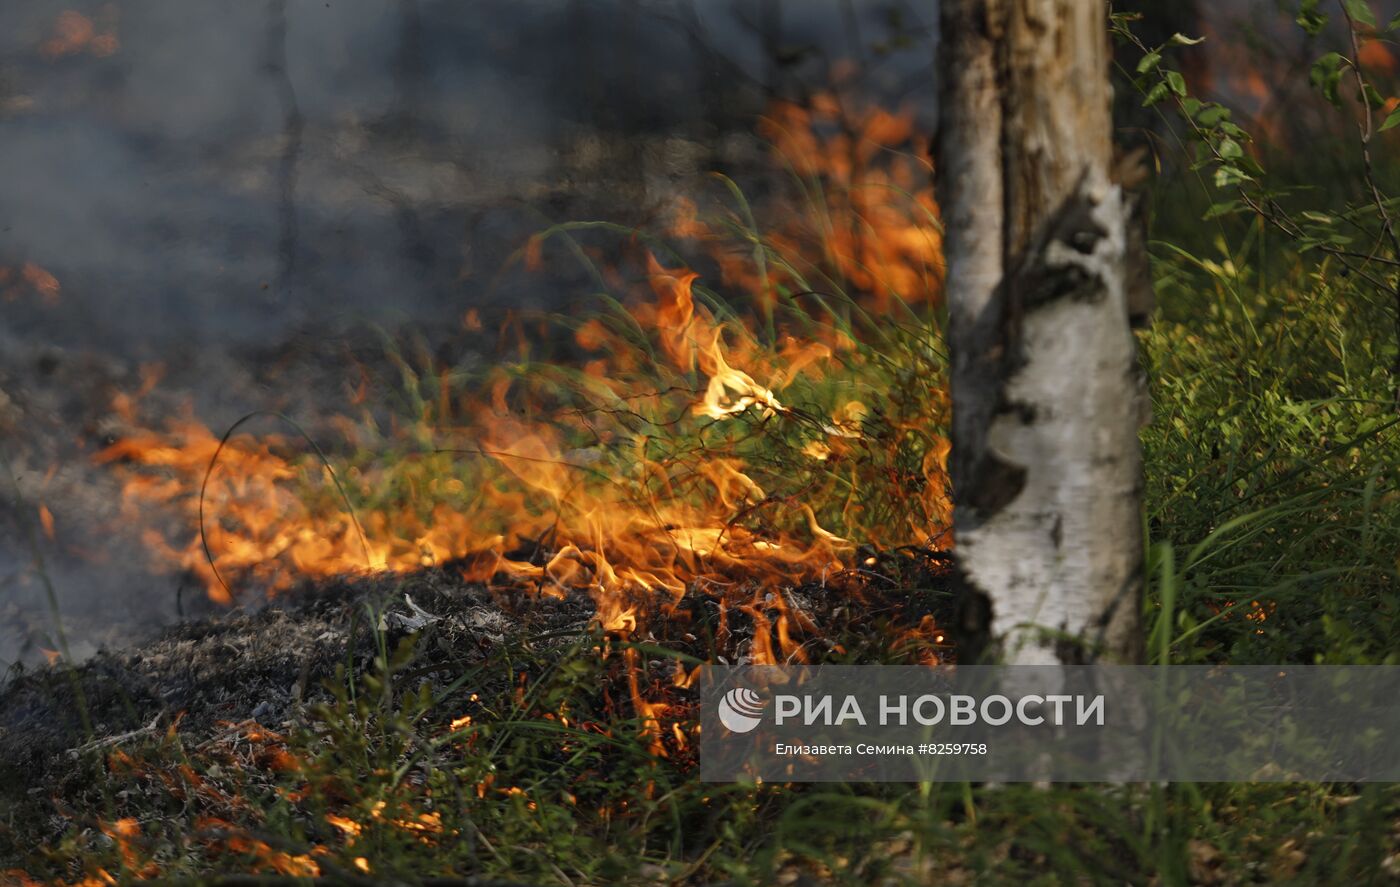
[
  {"x": 731, "y": 392},
  {"x": 46, "y": 522},
  {"x": 29, "y": 278},
  {"x": 75, "y": 33},
  {"x": 690, "y": 447},
  {"x": 1257, "y": 612},
  {"x": 297, "y": 865},
  {"x": 349, "y": 827},
  {"x": 125, "y": 833},
  {"x": 877, "y": 228}
]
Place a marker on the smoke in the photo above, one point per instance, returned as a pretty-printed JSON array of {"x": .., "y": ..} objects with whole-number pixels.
[
  {"x": 232, "y": 170},
  {"x": 236, "y": 190}
]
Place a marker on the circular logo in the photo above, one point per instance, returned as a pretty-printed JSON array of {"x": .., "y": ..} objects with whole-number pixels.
[{"x": 741, "y": 710}]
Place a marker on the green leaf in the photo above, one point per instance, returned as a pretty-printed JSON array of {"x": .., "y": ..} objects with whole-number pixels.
[
  {"x": 1394, "y": 23},
  {"x": 1149, "y": 61},
  {"x": 1212, "y": 114},
  {"x": 1392, "y": 119},
  {"x": 1360, "y": 10},
  {"x": 1176, "y": 82},
  {"x": 1230, "y": 149},
  {"x": 1181, "y": 39},
  {"x": 1310, "y": 19},
  {"x": 1326, "y": 74},
  {"x": 1155, "y": 95},
  {"x": 1225, "y": 208},
  {"x": 1227, "y": 175}
]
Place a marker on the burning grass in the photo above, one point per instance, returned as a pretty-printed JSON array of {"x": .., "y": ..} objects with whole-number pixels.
[
  {"x": 780, "y": 430},
  {"x": 750, "y": 472}
]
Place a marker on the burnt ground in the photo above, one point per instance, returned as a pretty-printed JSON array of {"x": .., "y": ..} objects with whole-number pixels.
[
  {"x": 266, "y": 665},
  {"x": 273, "y": 664}
]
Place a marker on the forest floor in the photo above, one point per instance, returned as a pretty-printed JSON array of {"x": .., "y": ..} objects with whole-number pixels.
[{"x": 405, "y": 729}]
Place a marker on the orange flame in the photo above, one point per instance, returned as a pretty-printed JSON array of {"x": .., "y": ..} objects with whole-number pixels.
[
  {"x": 74, "y": 32},
  {"x": 691, "y": 449}
]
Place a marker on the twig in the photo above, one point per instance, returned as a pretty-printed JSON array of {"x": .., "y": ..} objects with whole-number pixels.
[
  {"x": 232, "y": 730},
  {"x": 1365, "y": 130},
  {"x": 109, "y": 741}
]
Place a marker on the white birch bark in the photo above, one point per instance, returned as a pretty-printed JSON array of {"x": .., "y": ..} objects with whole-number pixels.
[{"x": 1047, "y": 392}]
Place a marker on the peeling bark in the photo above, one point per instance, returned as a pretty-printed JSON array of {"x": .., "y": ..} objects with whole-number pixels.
[{"x": 1042, "y": 280}]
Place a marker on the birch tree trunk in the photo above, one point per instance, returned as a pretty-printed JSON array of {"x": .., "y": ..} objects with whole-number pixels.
[{"x": 1047, "y": 390}]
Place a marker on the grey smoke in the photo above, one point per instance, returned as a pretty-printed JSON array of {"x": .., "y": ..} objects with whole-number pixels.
[{"x": 240, "y": 182}]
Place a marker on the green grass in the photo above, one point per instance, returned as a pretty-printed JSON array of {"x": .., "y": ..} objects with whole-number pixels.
[{"x": 1271, "y": 463}]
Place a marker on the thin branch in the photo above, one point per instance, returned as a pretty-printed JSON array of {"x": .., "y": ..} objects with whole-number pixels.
[
  {"x": 1366, "y": 129},
  {"x": 109, "y": 741}
]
